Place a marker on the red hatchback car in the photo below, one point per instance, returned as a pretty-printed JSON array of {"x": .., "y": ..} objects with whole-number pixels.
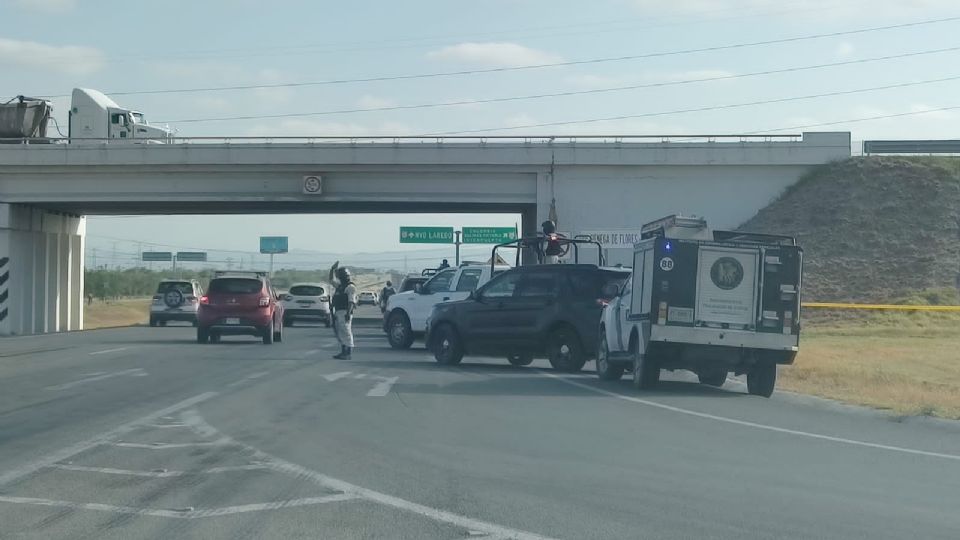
[{"x": 240, "y": 303}]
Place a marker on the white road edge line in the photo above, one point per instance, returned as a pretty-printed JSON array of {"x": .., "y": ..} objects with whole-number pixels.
[
  {"x": 135, "y": 372},
  {"x": 157, "y": 474},
  {"x": 188, "y": 514},
  {"x": 106, "y": 351},
  {"x": 64, "y": 453},
  {"x": 755, "y": 425},
  {"x": 164, "y": 446},
  {"x": 192, "y": 418},
  {"x": 335, "y": 376},
  {"x": 383, "y": 387}
]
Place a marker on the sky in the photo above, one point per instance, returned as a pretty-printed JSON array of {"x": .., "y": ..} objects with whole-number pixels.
[{"x": 719, "y": 57}]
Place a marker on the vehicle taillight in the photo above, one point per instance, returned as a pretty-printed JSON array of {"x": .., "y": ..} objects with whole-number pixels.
[
  {"x": 204, "y": 300},
  {"x": 157, "y": 298},
  {"x": 264, "y": 301},
  {"x": 602, "y": 302},
  {"x": 324, "y": 298},
  {"x": 662, "y": 313},
  {"x": 192, "y": 299}
]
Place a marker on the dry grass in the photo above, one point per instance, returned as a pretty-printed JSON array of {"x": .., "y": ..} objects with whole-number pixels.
[
  {"x": 123, "y": 312},
  {"x": 906, "y": 363}
]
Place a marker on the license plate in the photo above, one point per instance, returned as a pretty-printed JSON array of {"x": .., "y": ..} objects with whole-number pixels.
[
  {"x": 232, "y": 320},
  {"x": 305, "y": 302}
]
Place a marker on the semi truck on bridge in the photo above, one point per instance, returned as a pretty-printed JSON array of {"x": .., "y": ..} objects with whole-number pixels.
[{"x": 93, "y": 117}]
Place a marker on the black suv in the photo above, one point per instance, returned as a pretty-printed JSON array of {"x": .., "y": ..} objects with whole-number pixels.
[{"x": 541, "y": 310}]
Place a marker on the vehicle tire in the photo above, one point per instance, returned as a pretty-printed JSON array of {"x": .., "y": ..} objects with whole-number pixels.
[
  {"x": 328, "y": 322},
  {"x": 399, "y": 333},
  {"x": 215, "y": 337},
  {"x": 761, "y": 379},
  {"x": 713, "y": 378},
  {"x": 195, "y": 323},
  {"x": 153, "y": 321},
  {"x": 606, "y": 370},
  {"x": 565, "y": 351},
  {"x": 646, "y": 372},
  {"x": 520, "y": 359},
  {"x": 267, "y": 333},
  {"x": 203, "y": 335},
  {"x": 278, "y": 335},
  {"x": 447, "y": 346}
]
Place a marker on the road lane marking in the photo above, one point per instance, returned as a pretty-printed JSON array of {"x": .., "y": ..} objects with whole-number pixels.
[
  {"x": 193, "y": 418},
  {"x": 164, "y": 446},
  {"x": 359, "y": 375},
  {"x": 64, "y": 453},
  {"x": 135, "y": 372},
  {"x": 159, "y": 473},
  {"x": 755, "y": 425},
  {"x": 107, "y": 351},
  {"x": 180, "y": 514},
  {"x": 383, "y": 387},
  {"x": 336, "y": 376},
  {"x": 310, "y": 352},
  {"x": 256, "y": 375}
]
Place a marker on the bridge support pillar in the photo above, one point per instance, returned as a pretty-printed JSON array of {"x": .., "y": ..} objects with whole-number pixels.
[{"x": 41, "y": 270}]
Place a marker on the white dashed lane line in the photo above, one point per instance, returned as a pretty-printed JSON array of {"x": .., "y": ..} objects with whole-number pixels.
[{"x": 135, "y": 372}]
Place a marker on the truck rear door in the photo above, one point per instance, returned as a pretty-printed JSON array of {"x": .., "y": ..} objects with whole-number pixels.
[{"x": 727, "y": 287}]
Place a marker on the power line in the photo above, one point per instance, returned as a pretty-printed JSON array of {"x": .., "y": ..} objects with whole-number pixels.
[
  {"x": 659, "y": 54},
  {"x": 698, "y": 109},
  {"x": 567, "y": 93},
  {"x": 861, "y": 119}
]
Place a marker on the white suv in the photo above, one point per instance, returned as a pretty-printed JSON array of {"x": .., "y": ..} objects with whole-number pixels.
[
  {"x": 175, "y": 300},
  {"x": 405, "y": 317},
  {"x": 306, "y": 301}
]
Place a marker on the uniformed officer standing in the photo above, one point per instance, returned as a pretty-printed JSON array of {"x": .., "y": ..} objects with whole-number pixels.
[{"x": 344, "y": 302}]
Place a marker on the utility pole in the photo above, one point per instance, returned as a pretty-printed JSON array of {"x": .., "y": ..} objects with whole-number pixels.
[{"x": 457, "y": 244}]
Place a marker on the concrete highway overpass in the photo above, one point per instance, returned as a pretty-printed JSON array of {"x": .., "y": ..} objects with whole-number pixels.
[{"x": 591, "y": 183}]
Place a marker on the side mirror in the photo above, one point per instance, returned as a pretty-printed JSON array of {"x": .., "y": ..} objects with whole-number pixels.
[{"x": 418, "y": 288}]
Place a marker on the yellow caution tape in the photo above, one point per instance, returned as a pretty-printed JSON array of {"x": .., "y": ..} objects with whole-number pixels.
[{"x": 899, "y": 307}]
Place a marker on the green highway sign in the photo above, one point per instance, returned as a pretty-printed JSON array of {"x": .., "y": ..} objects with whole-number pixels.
[
  {"x": 191, "y": 256},
  {"x": 157, "y": 256},
  {"x": 488, "y": 235},
  {"x": 426, "y": 235},
  {"x": 273, "y": 244}
]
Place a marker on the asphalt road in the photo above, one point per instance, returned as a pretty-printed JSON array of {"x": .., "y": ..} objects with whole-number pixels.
[{"x": 142, "y": 433}]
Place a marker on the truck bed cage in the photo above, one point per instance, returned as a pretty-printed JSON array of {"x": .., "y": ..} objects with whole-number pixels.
[
  {"x": 255, "y": 273},
  {"x": 760, "y": 238},
  {"x": 536, "y": 243}
]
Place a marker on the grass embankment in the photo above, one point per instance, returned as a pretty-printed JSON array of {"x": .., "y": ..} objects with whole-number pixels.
[
  {"x": 908, "y": 363},
  {"x": 122, "y": 312}
]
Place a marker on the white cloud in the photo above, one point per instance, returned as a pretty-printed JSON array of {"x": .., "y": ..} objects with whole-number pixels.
[
  {"x": 494, "y": 54},
  {"x": 933, "y": 114},
  {"x": 48, "y": 6},
  {"x": 367, "y": 101},
  {"x": 72, "y": 59},
  {"x": 844, "y": 49},
  {"x": 272, "y": 76},
  {"x": 518, "y": 120}
]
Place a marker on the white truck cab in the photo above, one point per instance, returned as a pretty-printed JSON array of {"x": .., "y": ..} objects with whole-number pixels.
[
  {"x": 712, "y": 302},
  {"x": 93, "y": 115},
  {"x": 405, "y": 316}
]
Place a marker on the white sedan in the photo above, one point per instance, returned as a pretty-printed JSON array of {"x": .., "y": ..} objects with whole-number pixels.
[{"x": 306, "y": 301}]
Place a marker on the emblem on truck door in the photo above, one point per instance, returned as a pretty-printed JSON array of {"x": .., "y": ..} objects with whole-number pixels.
[
  {"x": 726, "y": 273},
  {"x": 666, "y": 264}
]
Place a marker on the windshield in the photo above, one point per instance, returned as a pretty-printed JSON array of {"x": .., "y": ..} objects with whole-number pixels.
[
  {"x": 235, "y": 286},
  {"x": 306, "y": 290}
]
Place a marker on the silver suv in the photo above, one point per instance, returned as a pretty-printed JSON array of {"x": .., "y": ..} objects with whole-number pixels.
[{"x": 175, "y": 300}]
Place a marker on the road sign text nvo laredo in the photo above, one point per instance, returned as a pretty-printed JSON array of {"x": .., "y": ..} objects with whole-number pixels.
[
  {"x": 488, "y": 235},
  {"x": 426, "y": 235}
]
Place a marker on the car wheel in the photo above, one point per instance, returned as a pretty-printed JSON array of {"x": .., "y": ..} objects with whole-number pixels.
[
  {"x": 399, "y": 333},
  {"x": 278, "y": 334},
  {"x": 267, "y": 333},
  {"x": 712, "y": 378},
  {"x": 646, "y": 372},
  {"x": 448, "y": 347},
  {"x": 520, "y": 359},
  {"x": 153, "y": 321},
  {"x": 565, "y": 351},
  {"x": 606, "y": 370},
  {"x": 761, "y": 379},
  {"x": 203, "y": 335},
  {"x": 215, "y": 337}
]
